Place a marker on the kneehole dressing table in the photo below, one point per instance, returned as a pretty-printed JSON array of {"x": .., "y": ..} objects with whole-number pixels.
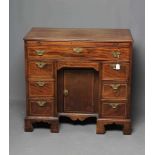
[{"x": 78, "y": 73}]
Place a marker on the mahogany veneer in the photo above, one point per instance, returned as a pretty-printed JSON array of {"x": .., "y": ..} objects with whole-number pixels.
[{"x": 78, "y": 73}]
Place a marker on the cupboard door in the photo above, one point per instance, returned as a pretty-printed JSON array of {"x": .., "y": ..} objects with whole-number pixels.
[{"x": 79, "y": 90}]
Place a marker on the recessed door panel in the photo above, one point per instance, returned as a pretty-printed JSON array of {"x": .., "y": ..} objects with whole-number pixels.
[{"x": 79, "y": 90}]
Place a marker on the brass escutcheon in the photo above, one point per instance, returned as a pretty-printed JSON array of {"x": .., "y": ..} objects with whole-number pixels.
[
  {"x": 114, "y": 105},
  {"x": 39, "y": 52},
  {"x": 41, "y": 103},
  {"x": 115, "y": 86},
  {"x": 40, "y": 64},
  {"x": 116, "y": 54},
  {"x": 78, "y": 50},
  {"x": 40, "y": 83}
]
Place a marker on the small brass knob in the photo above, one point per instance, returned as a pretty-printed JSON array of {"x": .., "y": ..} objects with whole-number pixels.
[
  {"x": 66, "y": 92},
  {"x": 78, "y": 50},
  {"x": 39, "y": 52}
]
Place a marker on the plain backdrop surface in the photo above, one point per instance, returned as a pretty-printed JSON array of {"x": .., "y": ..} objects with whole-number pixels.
[{"x": 25, "y": 14}]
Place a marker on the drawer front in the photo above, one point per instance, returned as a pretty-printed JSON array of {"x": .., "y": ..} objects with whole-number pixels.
[
  {"x": 113, "y": 109},
  {"x": 41, "y": 88},
  {"x": 41, "y": 107},
  {"x": 40, "y": 69},
  {"x": 111, "y": 72},
  {"x": 78, "y": 64},
  {"x": 98, "y": 53},
  {"x": 114, "y": 91},
  {"x": 111, "y": 54}
]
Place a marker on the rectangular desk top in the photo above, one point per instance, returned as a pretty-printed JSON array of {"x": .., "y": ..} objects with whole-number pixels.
[{"x": 79, "y": 34}]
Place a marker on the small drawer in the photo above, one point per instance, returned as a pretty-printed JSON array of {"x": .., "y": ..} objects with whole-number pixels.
[
  {"x": 40, "y": 69},
  {"x": 41, "y": 88},
  {"x": 111, "y": 71},
  {"x": 94, "y": 53},
  {"x": 114, "y": 91},
  {"x": 41, "y": 107},
  {"x": 113, "y": 109},
  {"x": 110, "y": 54},
  {"x": 78, "y": 64}
]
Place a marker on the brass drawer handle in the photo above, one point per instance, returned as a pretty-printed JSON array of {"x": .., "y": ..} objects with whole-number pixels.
[
  {"x": 115, "y": 86},
  {"x": 66, "y": 92},
  {"x": 78, "y": 50},
  {"x": 116, "y": 66},
  {"x": 40, "y": 64},
  {"x": 39, "y": 52},
  {"x": 40, "y": 83},
  {"x": 41, "y": 103},
  {"x": 114, "y": 105},
  {"x": 116, "y": 54}
]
